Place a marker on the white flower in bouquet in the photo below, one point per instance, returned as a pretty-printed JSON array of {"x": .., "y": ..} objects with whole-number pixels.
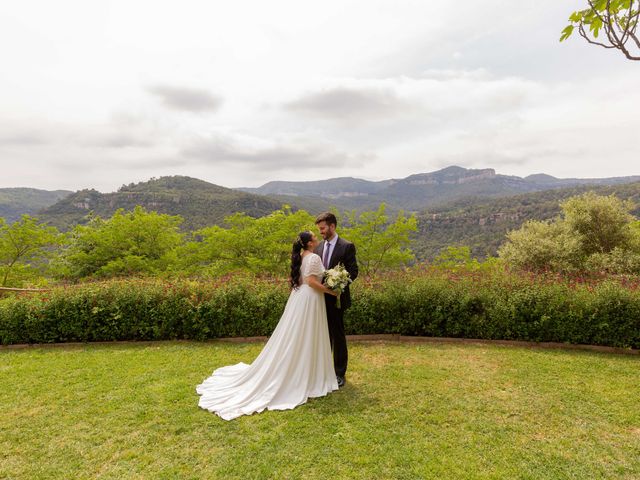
[{"x": 337, "y": 279}]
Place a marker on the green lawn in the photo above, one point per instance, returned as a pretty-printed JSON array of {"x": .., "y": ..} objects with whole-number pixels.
[{"x": 408, "y": 411}]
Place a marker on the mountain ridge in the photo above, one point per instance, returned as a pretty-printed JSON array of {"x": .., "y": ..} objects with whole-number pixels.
[
  {"x": 423, "y": 190},
  {"x": 203, "y": 203}
]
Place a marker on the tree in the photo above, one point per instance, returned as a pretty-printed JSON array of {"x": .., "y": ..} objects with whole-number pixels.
[
  {"x": 540, "y": 245},
  {"x": 257, "y": 245},
  {"x": 25, "y": 246},
  {"x": 380, "y": 244},
  {"x": 263, "y": 245},
  {"x": 595, "y": 233},
  {"x": 618, "y": 19},
  {"x": 602, "y": 223},
  {"x": 127, "y": 243}
]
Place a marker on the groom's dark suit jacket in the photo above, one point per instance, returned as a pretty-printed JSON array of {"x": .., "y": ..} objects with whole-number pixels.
[{"x": 344, "y": 252}]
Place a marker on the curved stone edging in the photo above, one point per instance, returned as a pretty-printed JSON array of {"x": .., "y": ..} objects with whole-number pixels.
[{"x": 387, "y": 337}]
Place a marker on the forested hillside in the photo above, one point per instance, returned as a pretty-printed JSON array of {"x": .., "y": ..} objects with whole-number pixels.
[
  {"x": 200, "y": 203},
  {"x": 16, "y": 201},
  {"x": 482, "y": 224}
]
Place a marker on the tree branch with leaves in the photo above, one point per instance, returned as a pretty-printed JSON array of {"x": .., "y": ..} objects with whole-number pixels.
[{"x": 618, "y": 19}]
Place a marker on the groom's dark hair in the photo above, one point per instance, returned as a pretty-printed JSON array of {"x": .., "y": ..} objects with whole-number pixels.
[{"x": 328, "y": 217}]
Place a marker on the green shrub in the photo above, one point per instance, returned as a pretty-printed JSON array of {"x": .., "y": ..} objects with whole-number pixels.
[
  {"x": 491, "y": 304},
  {"x": 595, "y": 234}
]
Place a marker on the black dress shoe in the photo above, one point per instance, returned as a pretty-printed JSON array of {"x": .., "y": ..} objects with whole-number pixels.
[{"x": 340, "y": 381}]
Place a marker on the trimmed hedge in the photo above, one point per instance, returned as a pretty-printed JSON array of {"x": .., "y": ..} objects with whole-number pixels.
[{"x": 484, "y": 305}]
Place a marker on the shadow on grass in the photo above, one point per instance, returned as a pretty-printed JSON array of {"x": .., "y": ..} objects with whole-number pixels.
[{"x": 349, "y": 400}]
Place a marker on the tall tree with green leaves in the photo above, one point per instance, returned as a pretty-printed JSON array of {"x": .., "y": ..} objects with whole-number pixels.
[
  {"x": 617, "y": 19},
  {"x": 257, "y": 245},
  {"x": 381, "y": 243},
  {"x": 128, "y": 243},
  {"x": 25, "y": 248}
]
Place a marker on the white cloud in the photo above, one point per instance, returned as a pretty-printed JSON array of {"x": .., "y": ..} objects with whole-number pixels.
[
  {"x": 345, "y": 103},
  {"x": 186, "y": 99},
  {"x": 244, "y": 151},
  {"x": 100, "y": 95}
]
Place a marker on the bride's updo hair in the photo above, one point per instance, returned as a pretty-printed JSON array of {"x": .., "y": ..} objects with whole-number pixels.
[{"x": 300, "y": 244}]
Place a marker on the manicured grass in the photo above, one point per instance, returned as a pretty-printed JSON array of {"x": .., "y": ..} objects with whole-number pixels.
[{"x": 408, "y": 411}]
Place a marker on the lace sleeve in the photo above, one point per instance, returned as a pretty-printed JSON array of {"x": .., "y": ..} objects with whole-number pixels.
[{"x": 314, "y": 267}]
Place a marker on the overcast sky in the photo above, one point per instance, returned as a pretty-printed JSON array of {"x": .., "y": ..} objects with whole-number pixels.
[{"x": 96, "y": 94}]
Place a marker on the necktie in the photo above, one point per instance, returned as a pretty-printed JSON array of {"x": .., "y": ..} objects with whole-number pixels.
[{"x": 327, "y": 247}]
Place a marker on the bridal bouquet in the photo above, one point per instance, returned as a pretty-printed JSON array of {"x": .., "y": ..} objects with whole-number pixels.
[{"x": 337, "y": 279}]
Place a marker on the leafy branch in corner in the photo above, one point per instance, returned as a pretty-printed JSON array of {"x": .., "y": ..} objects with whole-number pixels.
[{"x": 618, "y": 19}]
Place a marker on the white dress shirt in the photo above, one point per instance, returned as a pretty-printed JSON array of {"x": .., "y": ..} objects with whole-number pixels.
[{"x": 331, "y": 245}]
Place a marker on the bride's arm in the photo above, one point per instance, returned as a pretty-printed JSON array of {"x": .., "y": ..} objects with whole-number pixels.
[{"x": 314, "y": 283}]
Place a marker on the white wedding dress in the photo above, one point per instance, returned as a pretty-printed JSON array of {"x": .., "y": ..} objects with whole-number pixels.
[{"x": 295, "y": 364}]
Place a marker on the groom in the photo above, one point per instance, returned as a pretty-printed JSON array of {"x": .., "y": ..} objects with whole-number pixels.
[{"x": 334, "y": 250}]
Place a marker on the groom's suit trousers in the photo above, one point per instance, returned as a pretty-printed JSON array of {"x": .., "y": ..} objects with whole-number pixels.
[
  {"x": 345, "y": 253},
  {"x": 335, "y": 320}
]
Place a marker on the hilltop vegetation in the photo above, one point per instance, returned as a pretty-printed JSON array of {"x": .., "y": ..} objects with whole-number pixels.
[{"x": 199, "y": 203}]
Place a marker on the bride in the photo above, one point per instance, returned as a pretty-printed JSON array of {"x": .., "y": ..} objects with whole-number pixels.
[{"x": 295, "y": 364}]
